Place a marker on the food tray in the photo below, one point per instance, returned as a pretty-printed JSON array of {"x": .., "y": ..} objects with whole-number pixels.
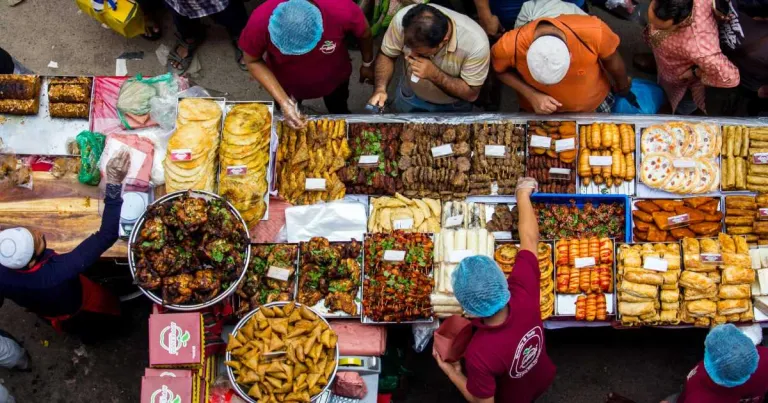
[
  {"x": 228, "y": 356},
  {"x": 521, "y": 153},
  {"x": 135, "y": 233},
  {"x": 633, "y": 200},
  {"x": 553, "y": 277},
  {"x": 41, "y": 134},
  {"x": 320, "y": 306},
  {"x": 368, "y": 321},
  {"x": 594, "y": 199},
  {"x": 236, "y": 298},
  {"x": 528, "y": 155},
  {"x": 270, "y": 160},
  {"x": 626, "y": 188}
]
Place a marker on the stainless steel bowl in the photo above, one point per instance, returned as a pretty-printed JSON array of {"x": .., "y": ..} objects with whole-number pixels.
[
  {"x": 228, "y": 357},
  {"x": 137, "y": 228}
]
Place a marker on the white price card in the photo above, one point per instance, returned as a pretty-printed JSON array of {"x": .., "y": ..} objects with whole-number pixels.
[
  {"x": 584, "y": 262},
  {"x": 314, "y": 184},
  {"x": 502, "y": 235},
  {"x": 405, "y": 223},
  {"x": 683, "y": 163},
  {"x": 655, "y": 263},
  {"x": 394, "y": 255},
  {"x": 442, "y": 151},
  {"x": 454, "y": 221},
  {"x": 559, "y": 171},
  {"x": 540, "y": 141},
  {"x": 279, "y": 273},
  {"x": 496, "y": 151},
  {"x": 565, "y": 144},
  {"x": 678, "y": 220},
  {"x": 368, "y": 160},
  {"x": 457, "y": 256},
  {"x": 604, "y": 161}
]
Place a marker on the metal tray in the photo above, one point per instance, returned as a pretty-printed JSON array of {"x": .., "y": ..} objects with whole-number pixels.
[
  {"x": 237, "y": 298},
  {"x": 627, "y": 187},
  {"x": 320, "y": 307},
  {"x": 574, "y": 170},
  {"x": 41, "y": 134},
  {"x": 720, "y": 207}
]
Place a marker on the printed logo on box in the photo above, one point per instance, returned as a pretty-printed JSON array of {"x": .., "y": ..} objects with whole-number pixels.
[
  {"x": 164, "y": 395},
  {"x": 181, "y": 154},
  {"x": 173, "y": 338}
]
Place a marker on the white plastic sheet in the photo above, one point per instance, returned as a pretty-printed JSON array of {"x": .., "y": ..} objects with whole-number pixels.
[{"x": 338, "y": 221}]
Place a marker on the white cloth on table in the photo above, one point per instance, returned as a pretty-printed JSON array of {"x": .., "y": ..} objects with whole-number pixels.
[{"x": 12, "y": 355}]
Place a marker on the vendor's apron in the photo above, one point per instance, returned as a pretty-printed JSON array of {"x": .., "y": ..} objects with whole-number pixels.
[{"x": 96, "y": 299}]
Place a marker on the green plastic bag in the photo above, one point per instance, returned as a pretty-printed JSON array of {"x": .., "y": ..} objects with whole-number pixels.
[{"x": 91, "y": 146}]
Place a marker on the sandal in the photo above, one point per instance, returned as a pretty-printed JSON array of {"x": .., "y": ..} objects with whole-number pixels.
[
  {"x": 152, "y": 31},
  {"x": 183, "y": 62},
  {"x": 239, "y": 59}
]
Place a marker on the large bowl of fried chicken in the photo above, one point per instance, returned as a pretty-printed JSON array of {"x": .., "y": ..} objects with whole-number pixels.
[{"x": 189, "y": 250}]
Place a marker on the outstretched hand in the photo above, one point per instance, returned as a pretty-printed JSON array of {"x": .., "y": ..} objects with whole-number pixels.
[
  {"x": 447, "y": 367},
  {"x": 117, "y": 167}
]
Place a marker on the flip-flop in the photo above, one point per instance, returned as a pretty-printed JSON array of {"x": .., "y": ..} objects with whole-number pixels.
[
  {"x": 184, "y": 62},
  {"x": 239, "y": 57}
]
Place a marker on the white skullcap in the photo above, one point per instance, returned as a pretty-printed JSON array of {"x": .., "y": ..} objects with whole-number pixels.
[
  {"x": 17, "y": 246},
  {"x": 753, "y": 331},
  {"x": 548, "y": 59}
]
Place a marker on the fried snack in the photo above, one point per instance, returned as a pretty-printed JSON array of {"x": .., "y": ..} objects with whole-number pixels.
[
  {"x": 639, "y": 290},
  {"x": 642, "y": 216},
  {"x": 737, "y": 275},
  {"x": 696, "y": 281},
  {"x": 486, "y": 170},
  {"x": 661, "y": 218},
  {"x": 705, "y": 228},
  {"x": 701, "y": 307},
  {"x": 636, "y": 308},
  {"x": 69, "y": 110},
  {"x": 399, "y": 212},
  {"x": 19, "y": 106},
  {"x": 540, "y": 159},
  {"x": 732, "y": 306},
  {"x": 383, "y": 177},
  {"x": 70, "y": 93},
  {"x": 17, "y": 86},
  {"x": 257, "y": 288},
  {"x": 735, "y": 291},
  {"x": 647, "y": 206}
]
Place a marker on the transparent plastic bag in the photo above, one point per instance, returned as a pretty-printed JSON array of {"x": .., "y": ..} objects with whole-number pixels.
[
  {"x": 221, "y": 392},
  {"x": 137, "y": 93},
  {"x": 422, "y": 334},
  {"x": 163, "y": 108}
]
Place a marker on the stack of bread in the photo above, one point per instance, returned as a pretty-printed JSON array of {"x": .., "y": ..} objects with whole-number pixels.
[
  {"x": 244, "y": 156},
  {"x": 190, "y": 160},
  {"x": 647, "y": 278},
  {"x": 506, "y": 255}
]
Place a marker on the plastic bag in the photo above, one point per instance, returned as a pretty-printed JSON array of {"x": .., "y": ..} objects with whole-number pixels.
[
  {"x": 91, "y": 146},
  {"x": 221, "y": 392},
  {"x": 650, "y": 97},
  {"x": 422, "y": 334},
  {"x": 137, "y": 93},
  {"x": 163, "y": 108}
]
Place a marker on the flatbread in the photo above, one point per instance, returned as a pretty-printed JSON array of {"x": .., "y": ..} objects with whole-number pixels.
[
  {"x": 192, "y": 137},
  {"x": 248, "y": 119},
  {"x": 198, "y": 109},
  {"x": 656, "y": 169},
  {"x": 707, "y": 176},
  {"x": 684, "y": 137},
  {"x": 706, "y": 140},
  {"x": 676, "y": 182},
  {"x": 656, "y": 139},
  {"x": 691, "y": 178}
]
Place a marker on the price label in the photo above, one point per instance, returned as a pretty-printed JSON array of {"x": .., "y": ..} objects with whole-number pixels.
[
  {"x": 762, "y": 213},
  {"x": 368, "y": 160},
  {"x": 454, "y": 221},
  {"x": 760, "y": 158},
  {"x": 495, "y": 151},
  {"x": 603, "y": 161},
  {"x": 713, "y": 258},
  {"x": 405, "y": 223},
  {"x": 502, "y": 235},
  {"x": 279, "y": 273},
  {"x": 565, "y": 145},
  {"x": 314, "y": 184},
  {"x": 678, "y": 220},
  {"x": 540, "y": 141},
  {"x": 683, "y": 163},
  {"x": 442, "y": 151},
  {"x": 237, "y": 170},
  {"x": 584, "y": 262},
  {"x": 494, "y": 189},
  {"x": 457, "y": 256},
  {"x": 181, "y": 154},
  {"x": 559, "y": 171},
  {"x": 394, "y": 255},
  {"x": 655, "y": 263}
]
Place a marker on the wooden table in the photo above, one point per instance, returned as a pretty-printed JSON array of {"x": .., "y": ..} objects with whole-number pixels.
[{"x": 65, "y": 210}]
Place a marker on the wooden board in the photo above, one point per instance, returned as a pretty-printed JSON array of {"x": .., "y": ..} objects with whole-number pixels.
[{"x": 65, "y": 210}]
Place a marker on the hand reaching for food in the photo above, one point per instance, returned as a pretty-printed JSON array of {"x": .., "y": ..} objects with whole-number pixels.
[{"x": 117, "y": 167}]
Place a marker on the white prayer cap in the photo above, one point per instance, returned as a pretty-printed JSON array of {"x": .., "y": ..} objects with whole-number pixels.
[
  {"x": 17, "y": 246},
  {"x": 548, "y": 59}
]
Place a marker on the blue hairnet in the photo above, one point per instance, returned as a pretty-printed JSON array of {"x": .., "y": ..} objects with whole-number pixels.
[
  {"x": 730, "y": 357},
  {"x": 295, "y": 27},
  {"x": 480, "y": 286}
]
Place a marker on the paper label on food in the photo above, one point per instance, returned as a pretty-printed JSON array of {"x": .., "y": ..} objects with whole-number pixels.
[
  {"x": 655, "y": 263},
  {"x": 565, "y": 145},
  {"x": 540, "y": 141},
  {"x": 497, "y": 151},
  {"x": 181, "y": 154},
  {"x": 683, "y": 163},
  {"x": 560, "y": 171},
  {"x": 762, "y": 213},
  {"x": 600, "y": 161},
  {"x": 494, "y": 188},
  {"x": 394, "y": 255},
  {"x": 454, "y": 221},
  {"x": 502, "y": 235},
  {"x": 314, "y": 184},
  {"x": 368, "y": 160},
  {"x": 442, "y": 151},
  {"x": 584, "y": 262},
  {"x": 457, "y": 256},
  {"x": 760, "y": 158},
  {"x": 237, "y": 170},
  {"x": 711, "y": 258},
  {"x": 279, "y": 273},
  {"x": 405, "y": 223},
  {"x": 676, "y": 220}
]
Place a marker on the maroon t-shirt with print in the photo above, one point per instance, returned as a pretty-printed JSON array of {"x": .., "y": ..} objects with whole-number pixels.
[
  {"x": 510, "y": 361},
  {"x": 700, "y": 388}
]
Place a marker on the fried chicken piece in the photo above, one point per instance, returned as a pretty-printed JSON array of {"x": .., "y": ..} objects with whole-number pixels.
[
  {"x": 176, "y": 289},
  {"x": 206, "y": 284},
  {"x": 191, "y": 212},
  {"x": 146, "y": 278},
  {"x": 153, "y": 234},
  {"x": 338, "y": 301}
]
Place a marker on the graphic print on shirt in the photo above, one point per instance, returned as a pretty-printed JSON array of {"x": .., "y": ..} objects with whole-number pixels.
[
  {"x": 527, "y": 353},
  {"x": 328, "y": 47},
  {"x": 692, "y": 373}
]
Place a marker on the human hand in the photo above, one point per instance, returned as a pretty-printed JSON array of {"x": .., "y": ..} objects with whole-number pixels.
[
  {"x": 367, "y": 75},
  {"x": 379, "y": 98},
  {"x": 543, "y": 104},
  {"x": 447, "y": 367},
  {"x": 492, "y": 26},
  {"x": 292, "y": 116},
  {"x": 525, "y": 187},
  {"x": 422, "y": 67},
  {"x": 117, "y": 167}
]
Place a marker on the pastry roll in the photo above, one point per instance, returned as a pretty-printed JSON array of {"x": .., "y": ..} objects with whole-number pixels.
[
  {"x": 630, "y": 320},
  {"x": 733, "y": 317},
  {"x": 719, "y": 320},
  {"x": 673, "y": 286},
  {"x": 671, "y": 276},
  {"x": 741, "y": 244},
  {"x": 737, "y": 291},
  {"x": 17, "y": 86},
  {"x": 650, "y": 318},
  {"x": 64, "y": 110},
  {"x": 670, "y": 295},
  {"x": 702, "y": 307},
  {"x": 639, "y": 290},
  {"x": 689, "y": 294},
  {"x": 748, "y": 315},
  {"x": 696, "y": 281},
  {"x": 736, "y": 259},
  {"x": 669, "y": 316},
  {"x": 731, "y": 306},
  {"x": 636, "y": 308},
  {"x": 709, "y": 246},
  {"x": 670, "y": 306},
  {"x": 644, "y": 277},
  {"x": 726, "y": 243},
  {"x": 737, "y": 275},
  {"x": 632, "y": 258},
  {"x": 715, "y": 276},
  {"x": 701, "y": 322},
  {"x": 691, "y": 252},
  {"x": 673, "y": 260},
  {"x": 20, "y": 106},
  {"x": 624, "y": 297}
]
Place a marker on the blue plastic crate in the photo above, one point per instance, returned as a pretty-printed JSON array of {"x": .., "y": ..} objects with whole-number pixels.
[{"x": 559, "y": 198}]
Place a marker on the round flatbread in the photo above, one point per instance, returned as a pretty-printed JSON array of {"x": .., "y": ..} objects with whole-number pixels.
[
  {"x": 706, "y": 176},
  {"x": 684, "y": 138},
  {"x": 675, "y": 183},
  {"x": 198, "y": 109},
  {"x": 656, "y": 169},
  {"x": 656, "y": 139},
  {"x": 707, "y": 144},
  {"x": 714, "y": 187},
  {"x": 244, "y": 119},
  {"x": 691, "y": 178},
  {"x": 194, "y": 138}
]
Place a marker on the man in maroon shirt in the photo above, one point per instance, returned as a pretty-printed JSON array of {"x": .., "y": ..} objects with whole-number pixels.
[
  {"x": 295, "y": 48},
  {"x": 506, "y": 360}
]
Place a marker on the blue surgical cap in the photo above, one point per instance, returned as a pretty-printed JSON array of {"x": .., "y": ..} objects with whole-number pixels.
[
  {"x": 295, "y": 27},
  {"x": 730, "y": 357},
  {"x": 480, "y": 286}
]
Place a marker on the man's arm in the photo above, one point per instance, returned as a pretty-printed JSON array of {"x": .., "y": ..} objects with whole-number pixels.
[
  {"x": 615, "y": 67},
  {"x": 541, "y": 102},
  {"x": 259, "y": 70},
  {"x": 456, "y": 87},
  {"x": 366, "y": 46},
  {"x": 453, "y": 371},
  {"x": 385, "y": 67},
  {"x": 488, "y": 21},
  {"x": 528, "y": 225}
]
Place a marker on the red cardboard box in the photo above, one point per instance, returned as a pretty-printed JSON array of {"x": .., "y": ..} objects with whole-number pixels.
[
  {"x": 173, "y": 373},
  {"x": 176, "y": 340},
  {"x": 156, "y": 389}
]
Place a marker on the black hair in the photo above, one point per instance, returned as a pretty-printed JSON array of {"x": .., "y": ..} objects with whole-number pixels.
[
  {"x": 675, "y": 10},
  {"x": 425, "y": 25}
]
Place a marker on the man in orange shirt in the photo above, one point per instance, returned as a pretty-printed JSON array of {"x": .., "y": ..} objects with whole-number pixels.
[{"x": 562, "y": 64}]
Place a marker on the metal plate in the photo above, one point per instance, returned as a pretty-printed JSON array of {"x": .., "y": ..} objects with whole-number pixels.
[{"x": 320, "y": 307}]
